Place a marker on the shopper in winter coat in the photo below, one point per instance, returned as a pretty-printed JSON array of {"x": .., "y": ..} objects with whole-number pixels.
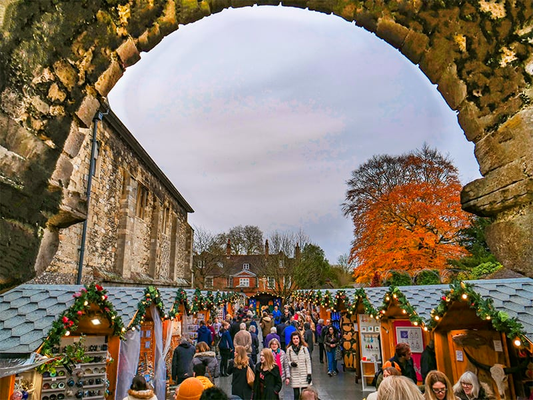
[
  {"x": 470, "y": 388},
  {"x": 182, "y": 361},
  {"x": 402, "y": 361},
  {"x": 309, "y": 336},
  {"x": 270, "y": 336},
  {"x": 288, "y": 332},
  {"x": 277, "y": 315},
  {"x": 438, "y": 387},
  {"x": 243, "y": 338},
  {"x": 204, "y": 334},
  {"x": 139, "y": 390},
  {"x": 255, "y": 344},
  {"x": 331, "y": 341},
  {"x": 280, "y": 358},
  {"x": 238, "y": 368},
  {"x": 205, "y": 356},
  {"x": 225, "y": 346},
  {"x": 320, "y": 340},
  {"x": 300, "y": 364},
  {"x": 267, "y": 383},
  {"x": 266, "y": 323}
]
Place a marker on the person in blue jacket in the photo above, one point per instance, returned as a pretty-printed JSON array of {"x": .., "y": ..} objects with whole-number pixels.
[
  {"x": 204, "y": 334},
  {"x": 226, "y": 348},
  {"x": 288, "y": 331},
  {"x": 277, "y": 315}
]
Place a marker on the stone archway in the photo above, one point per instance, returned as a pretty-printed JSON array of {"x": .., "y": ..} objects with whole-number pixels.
[{"x": 61, "y": 58}]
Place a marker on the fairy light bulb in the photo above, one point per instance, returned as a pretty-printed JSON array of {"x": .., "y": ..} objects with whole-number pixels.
[
  {"x": 464, "y": 296},
  {"x": 517, "y": 342}
]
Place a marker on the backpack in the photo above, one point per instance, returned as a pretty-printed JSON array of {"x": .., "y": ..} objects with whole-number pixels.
[{"x": 376, "y": 376}]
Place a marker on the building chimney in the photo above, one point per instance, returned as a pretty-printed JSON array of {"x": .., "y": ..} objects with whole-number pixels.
[
  {"x": 228, "y": 248},
  {"x": 297, "y": 252},
  {"x": 266, "y": 248}
]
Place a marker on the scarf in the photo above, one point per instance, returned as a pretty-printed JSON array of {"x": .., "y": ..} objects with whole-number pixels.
[
  {"x": 296, "y": 349},
  {"x": 277, "y": 358}
]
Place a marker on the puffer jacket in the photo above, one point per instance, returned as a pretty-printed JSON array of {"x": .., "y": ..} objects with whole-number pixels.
[
  {"x": 210, "y": 360},
  {"x": 141, "y": 395},
  {"x": 299, "y": 373},
  {"x": 283, "y": 364}
]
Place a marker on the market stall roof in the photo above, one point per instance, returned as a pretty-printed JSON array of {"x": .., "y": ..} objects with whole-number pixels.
[{"x": 28, "y": 311}]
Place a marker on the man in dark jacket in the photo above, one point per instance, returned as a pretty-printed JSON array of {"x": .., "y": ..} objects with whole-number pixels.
[
  {"x": 226, "y": 348},
  {"x": 204, "y": 334},
  {"x": 182, "y": 361},
  {"x": 428, "y": 362},
  {"x": 402, "y": 361}
]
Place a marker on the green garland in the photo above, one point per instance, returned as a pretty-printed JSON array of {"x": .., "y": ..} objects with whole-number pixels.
[
  {"x": 394, "y": 294},
  {"x": 500, "y": 320},
  {"x": 68, "y": 321},
  {"x": 151, "y": 296}
]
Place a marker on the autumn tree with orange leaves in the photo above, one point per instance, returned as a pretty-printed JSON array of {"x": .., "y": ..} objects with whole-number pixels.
[{"x": 406, "y": 213}]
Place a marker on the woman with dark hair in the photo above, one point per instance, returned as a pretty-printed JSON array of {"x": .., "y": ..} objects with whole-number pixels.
[
  {"x": 300, "y": 364},
  {"x": 139, "y": 390},
  {"x": 267, "y": 384},
  {"x": 438, "y": 387},
  {"x": 331, "y": 341},
  {"x": 205, "y": 356}
]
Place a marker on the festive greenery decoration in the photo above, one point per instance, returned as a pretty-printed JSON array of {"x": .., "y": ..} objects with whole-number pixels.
[
  {"x": 151, "y": 296},
  {"x": 500, "y": 320},
  {"x": 395, "y": 296},
  {"x": 201, "y": 301},
  {"x": 69, "y": 319}
]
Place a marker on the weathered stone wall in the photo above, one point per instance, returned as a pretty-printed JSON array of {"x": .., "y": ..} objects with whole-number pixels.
[
  {"x": 59, "y": 58},
  {"x": 147, "y": 240}
]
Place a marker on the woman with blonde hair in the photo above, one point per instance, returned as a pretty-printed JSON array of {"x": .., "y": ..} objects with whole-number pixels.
[
  {"x": 267, "y": 384},
  {"x": 237, "y": 368},
  {"x": 438, "y": 387},
  {"x": 470, "y": 388},
  {"x": 204, "y": 355},
  {"x": 399, "y": 388}
]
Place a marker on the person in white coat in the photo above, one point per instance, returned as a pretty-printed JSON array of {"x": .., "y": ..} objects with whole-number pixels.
[
  {"x": 139, "y": 390},
  {"x": 300, "y": 364}
]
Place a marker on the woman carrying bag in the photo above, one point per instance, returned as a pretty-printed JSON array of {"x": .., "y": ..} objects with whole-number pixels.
[
  {"x": 267, "y": 384},
  {"x": 331, "y": 342},
  {"x": 300, "y": 364},
  {"x": 238, "y": 368}
]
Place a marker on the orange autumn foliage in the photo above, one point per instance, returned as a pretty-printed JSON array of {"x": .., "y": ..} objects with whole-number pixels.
[{"x": 411, "y": 224}]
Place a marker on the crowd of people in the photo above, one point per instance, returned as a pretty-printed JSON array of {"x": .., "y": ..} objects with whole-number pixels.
[
  {"x": 260, "y": 354},
  {"x": 398, "y": 381},
  {"x": 263, "y": 354}
]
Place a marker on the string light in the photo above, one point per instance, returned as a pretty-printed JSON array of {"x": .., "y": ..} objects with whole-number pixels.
[
  {"x": 517, "y": 342},
  {"x": 464, "y": 296}
]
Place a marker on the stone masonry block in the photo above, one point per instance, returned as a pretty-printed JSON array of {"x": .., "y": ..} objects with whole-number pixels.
[
  {"x": 61, "y": 175},
  {"x": 109, "y": 78},
  {"x": 392, "y": 32},
  {"x": 452, "y": 88},
  {"x": 414, "y": 45},
  {"x": 128, "y": 53},
  {"x": 66, "y": 74},
  {"x": 87, "y": 110},
  {"x": 74, "y": 140},
  {"x": 437, "y": 59},
  {"x": 468, "y": 119},
  {"x": 150, "y": 38}
]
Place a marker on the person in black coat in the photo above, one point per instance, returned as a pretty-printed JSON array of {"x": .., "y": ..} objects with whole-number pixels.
[
  {"x": 267, "y": 383},
  {"x": 237, "y": 368},
  {"x": 428, "y": 362},
  {"x": 225, "y": 346},
  {"x": 182, "y": 361}
]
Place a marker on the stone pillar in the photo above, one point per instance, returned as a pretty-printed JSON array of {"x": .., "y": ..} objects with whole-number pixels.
[
  {"x": 154, "y": 238},
  {"x": 172, "y": 273},
  {"x": 125, "y": 227}
]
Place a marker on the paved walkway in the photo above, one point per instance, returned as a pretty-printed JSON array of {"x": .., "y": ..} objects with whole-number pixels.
[{"x": 340, "y": 387}]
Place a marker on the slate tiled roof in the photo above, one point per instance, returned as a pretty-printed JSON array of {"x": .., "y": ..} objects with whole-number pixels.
[{"x": 28, "y": 311}]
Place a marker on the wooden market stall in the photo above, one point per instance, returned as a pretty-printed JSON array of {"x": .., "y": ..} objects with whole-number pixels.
[
  {"x": 402, "y": 315},
  {"x": 264, "y": 301},
  {"x": 82, "y": 342},
  {"x": 475, "y": 330}
]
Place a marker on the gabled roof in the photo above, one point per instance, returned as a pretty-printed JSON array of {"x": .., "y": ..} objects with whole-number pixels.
[
  {"x": 244, "y": 273},
  {"x": 28, "y": 311}
]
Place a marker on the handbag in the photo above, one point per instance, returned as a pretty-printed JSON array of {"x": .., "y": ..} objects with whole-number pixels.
[
  {"x": 250, "y": 376},
  {"x": 338, "y": 353}
]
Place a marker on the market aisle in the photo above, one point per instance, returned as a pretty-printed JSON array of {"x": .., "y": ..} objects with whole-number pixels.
[{"x": 340, "y": 387}]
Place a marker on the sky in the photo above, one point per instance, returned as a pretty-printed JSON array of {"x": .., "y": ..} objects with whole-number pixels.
[{"x": 259, "y": 115}]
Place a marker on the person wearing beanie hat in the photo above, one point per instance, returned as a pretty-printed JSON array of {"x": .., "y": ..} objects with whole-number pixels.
[{"x": 190, "y": 389}]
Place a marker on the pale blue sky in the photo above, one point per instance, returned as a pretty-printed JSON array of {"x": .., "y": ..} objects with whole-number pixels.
[{"x": 258, "y": 115}]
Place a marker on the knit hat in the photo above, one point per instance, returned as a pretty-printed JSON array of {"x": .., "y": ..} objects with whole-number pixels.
[{"x": 190, "y": 389}]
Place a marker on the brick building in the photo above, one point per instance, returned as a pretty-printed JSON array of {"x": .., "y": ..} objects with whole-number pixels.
[{"x": 137, "y": 220}]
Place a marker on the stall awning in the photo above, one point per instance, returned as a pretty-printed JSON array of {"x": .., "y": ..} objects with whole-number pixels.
[{"x": 11, "y": 364}]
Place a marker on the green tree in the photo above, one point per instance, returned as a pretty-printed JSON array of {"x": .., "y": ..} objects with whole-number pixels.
[{"x": 313, "y": 270}]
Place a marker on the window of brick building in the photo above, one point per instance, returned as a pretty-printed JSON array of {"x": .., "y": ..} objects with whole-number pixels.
[
  {"x": 244, "y": 282},
  {"x": 271, "y": 282},
  {"x": 246, "y": 266},
  {"x": 208, "y": 282}
]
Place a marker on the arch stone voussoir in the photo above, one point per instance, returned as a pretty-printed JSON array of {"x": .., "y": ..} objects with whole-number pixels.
[{"x": 61, "y": 59}]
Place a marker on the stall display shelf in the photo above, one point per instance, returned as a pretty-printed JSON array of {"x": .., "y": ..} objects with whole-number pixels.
[{"x": 368, "y": 371}]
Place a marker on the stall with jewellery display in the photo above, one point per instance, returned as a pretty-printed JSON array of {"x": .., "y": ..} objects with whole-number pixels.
[
  {"x": 83, "y": 345},
  {"x": 370, "y": 343}
]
